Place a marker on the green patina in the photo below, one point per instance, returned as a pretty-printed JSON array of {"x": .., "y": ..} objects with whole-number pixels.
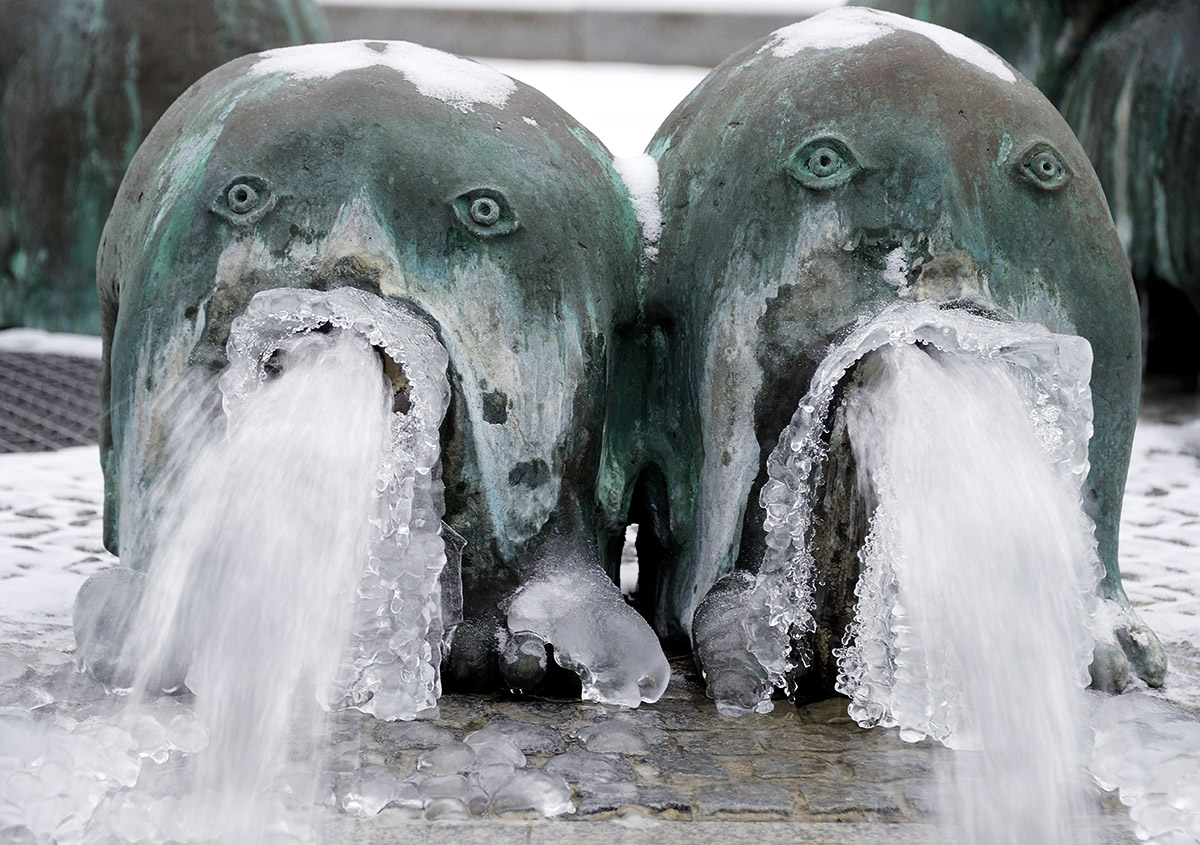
[
  {"x": 81, "y": 82},
  {"x": 514, "y": 308}
]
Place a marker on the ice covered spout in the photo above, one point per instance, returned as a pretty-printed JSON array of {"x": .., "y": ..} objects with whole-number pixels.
[
  {"x": 397, "y": 629},
  {"x": 822, "y": 566},
  {"x": 579, "y": 611}
]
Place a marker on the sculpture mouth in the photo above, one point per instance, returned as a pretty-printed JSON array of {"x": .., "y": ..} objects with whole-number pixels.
[{"x": 816, "y": 514}]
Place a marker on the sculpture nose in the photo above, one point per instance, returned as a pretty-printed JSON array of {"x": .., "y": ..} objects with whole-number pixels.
[{"x": 359, "y": 251}]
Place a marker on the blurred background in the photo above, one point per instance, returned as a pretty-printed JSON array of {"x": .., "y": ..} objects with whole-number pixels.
[{"x": 687, "y": 32}]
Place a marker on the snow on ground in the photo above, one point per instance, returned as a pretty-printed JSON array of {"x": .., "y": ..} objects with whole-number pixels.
[
  {"x": 1160, "y": 528},
  {"x": 51, "y": 504}
]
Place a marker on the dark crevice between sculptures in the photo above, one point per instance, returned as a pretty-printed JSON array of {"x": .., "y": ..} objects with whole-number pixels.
[{"x": 657, "y": 554}]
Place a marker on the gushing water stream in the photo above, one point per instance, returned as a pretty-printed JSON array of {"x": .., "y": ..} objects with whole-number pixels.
[
  {"x": 976, "y": 584},
  {"x": 266, "y": 602},
  {"x": 976, "y": 579}
]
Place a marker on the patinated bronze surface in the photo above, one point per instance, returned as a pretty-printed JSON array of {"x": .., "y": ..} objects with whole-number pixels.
[
  {"x": 447, "y": 190},
  {"x": 819, "y": 175},
  {"x": 81, "y": 83}
]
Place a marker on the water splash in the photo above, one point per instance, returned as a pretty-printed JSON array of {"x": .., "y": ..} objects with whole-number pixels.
[
  {"x": 399, "y": 628},
  {"x": 259, "y": 602},
  {"x": 977, "y": 577},
  {"x": 294, "y": 546}
]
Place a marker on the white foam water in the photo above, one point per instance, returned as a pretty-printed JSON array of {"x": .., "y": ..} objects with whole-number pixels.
[
  {"x": 263, "y": 601},
  {"x": 399, "y": 629},
  {"x": 296, "y": 555},
  {"x": 1056, "y": 370}
]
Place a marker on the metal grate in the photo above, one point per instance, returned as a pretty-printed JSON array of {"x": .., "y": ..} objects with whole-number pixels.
[{"x": 48, "y": 402}]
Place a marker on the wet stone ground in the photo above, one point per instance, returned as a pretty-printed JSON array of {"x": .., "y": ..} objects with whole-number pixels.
[
  {"x": 679, "y": 771},
  {"x": 675, "y": 771}
]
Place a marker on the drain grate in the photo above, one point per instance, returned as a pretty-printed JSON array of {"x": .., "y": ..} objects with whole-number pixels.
[{"x": 48, "y": 402}]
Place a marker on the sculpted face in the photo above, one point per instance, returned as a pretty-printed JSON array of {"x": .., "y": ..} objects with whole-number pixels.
[
  {"x": 844, "y": 164},
  {"x": 443, "y": 188}
]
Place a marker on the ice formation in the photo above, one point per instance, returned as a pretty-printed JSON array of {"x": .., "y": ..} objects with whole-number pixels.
[
  {"x": 976, "y": 581},
  {"x": 977, "y": 578},
  {"x": 1149, "y": 752},
  {"x": 1057, "y": 368},
  {"x": 293, "y": 540},
  {"x": 976, "y": 540},
  {"x": 595, "y": 634}
]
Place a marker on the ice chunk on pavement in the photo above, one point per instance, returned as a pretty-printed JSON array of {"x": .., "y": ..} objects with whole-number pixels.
[
  {"x": 447, "y": 808},
  {"x": 376, "y": 788},
  {"x": 494, "y": 748},
  {"x": 533, "y": 791},
  {"x": 588, "y": 766},
  {"x": 615, "y": 737},
  {"x": 446, "y": 786},
  {"x": 1150, "y": 752},
  {"x": 11, "y": 668},
  {"x": 452, "y": 758},
  {"x": 491, "y": 777},
  {"x": 105, "y": 609},
  {"x": 186, "y": 733},
  {"x": 594, "y": 632}
]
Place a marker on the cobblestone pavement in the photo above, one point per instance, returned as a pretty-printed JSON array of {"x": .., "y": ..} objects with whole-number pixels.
[{"x": 675, "y": 771}]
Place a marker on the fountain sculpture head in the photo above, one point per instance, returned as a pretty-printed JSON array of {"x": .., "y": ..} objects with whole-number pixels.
[
  {"x": 844, "y": 167},
  {"x": 439, "y": 208}
]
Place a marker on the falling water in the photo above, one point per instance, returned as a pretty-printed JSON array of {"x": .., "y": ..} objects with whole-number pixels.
[
  {"x": 977, "y": 576},
  {"x": 294, "y": 549},
  {"x": 263, "y": 601},
  {"x": 975, "y": 579}
]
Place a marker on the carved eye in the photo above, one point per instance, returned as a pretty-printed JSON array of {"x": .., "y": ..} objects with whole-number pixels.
[
  {"x": 823, "y": 163},
  {"x": 244, "y": 200},
  {"x": 1043, "y": 167},
  {"x": 485, "y": 212}
]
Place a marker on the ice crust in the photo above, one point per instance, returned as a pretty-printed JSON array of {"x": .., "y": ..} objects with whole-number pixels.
[
  {"x": 977, "y": 581},
  {"x": 858, "y": 27},
  {"x": 954, "y": 450},
  {"x": 457, "y": 82},
  {"x": 1149, "y": 752},
  {"x": 484, "y": 772},
  {"x": 594, "y": 633},
  {"x": 398, "y": 631}
]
